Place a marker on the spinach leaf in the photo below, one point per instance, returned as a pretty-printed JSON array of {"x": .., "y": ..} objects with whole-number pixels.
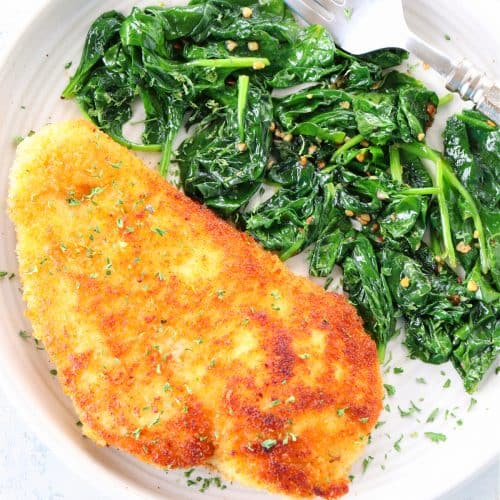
[
  {"x": 477, "y": 344},
  {"x": 427, "y": 339},
  {"x": 416, "y": 109},
  {"x": 319, "y": 106},
  {"x": 216, "y": 167},
  {"x": 376, "y": 116},
  {"x": 284, "y": 221},
  {"x": 333, "y": 237},
  {"x": 409, "y": 285},
  {"x": 386, "y": 58},
  {"x": 369, "y": 292},
  {"x": 310, "y": 58},
  {"x": 404, "y": 221},
  {"x": 472, "y": 146},
  {"x": 102, "y": 34}
]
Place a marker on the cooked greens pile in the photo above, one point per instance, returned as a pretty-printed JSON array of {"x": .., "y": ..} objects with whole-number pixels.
[{"x": 354, "y": 183}]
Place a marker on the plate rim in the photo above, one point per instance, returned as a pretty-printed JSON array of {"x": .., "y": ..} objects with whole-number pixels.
[{"x": 63, "y": 445}]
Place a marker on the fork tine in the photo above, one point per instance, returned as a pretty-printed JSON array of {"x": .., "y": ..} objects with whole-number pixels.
[
  {"x": 316, "y": 15},
  {"x": 327, "y": 5},
  {"x": 337, "y": 3}
]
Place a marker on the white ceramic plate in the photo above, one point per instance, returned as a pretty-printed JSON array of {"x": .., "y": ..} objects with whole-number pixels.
[{"x": 31, "y": 79}]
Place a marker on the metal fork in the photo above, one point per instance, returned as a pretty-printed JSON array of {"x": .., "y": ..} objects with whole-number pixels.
[{"x": 362, "y": 26}]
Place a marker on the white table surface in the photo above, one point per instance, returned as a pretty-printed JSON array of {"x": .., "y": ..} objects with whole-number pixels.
[{"x": 29, "y": 470}]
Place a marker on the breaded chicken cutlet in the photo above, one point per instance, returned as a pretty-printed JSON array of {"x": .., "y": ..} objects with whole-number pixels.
[{"x": 177, "y": 337}]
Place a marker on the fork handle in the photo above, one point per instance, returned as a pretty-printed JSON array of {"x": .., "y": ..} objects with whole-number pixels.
[
  {"x": 470, "y": 83},
  {"x": 475, "y": 86}
]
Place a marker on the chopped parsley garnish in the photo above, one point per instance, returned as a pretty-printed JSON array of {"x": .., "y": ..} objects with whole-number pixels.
[
  {"x": 269, "y": 443},
  {"x": 156, "y": 420},
  {"x": 380, "y": 423},
  {"x": 406, "y": 413},
  {"x": 366, "y": 462},
  {"x": 159, "y": 231},
  {"x": 108, "y": 267},
  {"x": 73, "y": 202},
  {"x": 390, "y": 389},
  {"x": 53, "y": 371},
  {"x": 397, "y": 370},
  {"x": 291, "y": 399},
  {"x": 3, "y": 274},
  {"x": 137, "y": 433},
  {"x": 348, "y": 13},
  {"x": 447, "y": 384},
  {"x": 435, "y": 436},
  {"x": 189, "y": 472},
  {"x": 433, "y": 415},
  {"x": 304, "y": 356},
  {"x": 364, "y": 420},
  {"x": 119, "y": 223},
  {"x": 275, "y": 402},
  {"x": 203, "y": 482},
  {"x": 397, "y": 444},
  {"x": 24, "y": 335},
  {"x": 221, "y": 294},
  {"x": 94, "y": 192},
  {"x": 473, "y": 401},
  {"x": 68, "y": 65},
  {"x": 421, "y": 380},
  {"x": 341, "y": 411}
]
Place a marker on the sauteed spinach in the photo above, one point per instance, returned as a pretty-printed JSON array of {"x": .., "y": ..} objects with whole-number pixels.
[{"x": 344, "y": 156}]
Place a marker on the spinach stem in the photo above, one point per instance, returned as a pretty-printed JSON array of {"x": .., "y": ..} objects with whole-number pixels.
[
  {"x": 435, "y": 244},
  {"x": 134, "y": 146},
  {"x": 346, "y": 146},
  {"x": 149, "y": 148},
  {"x": 290, "y": 252},
  {"x": 229, "y": 62},
  {"x": 445, "y": 218},
  {"x": 478, "y": 223},
  {"x": 447, "y": 174},
  {"x": 395, "y": 164},
  {"x": 166, "y": 154},
  {"x": 475, "y": 122},
  {"x": 420, "y": 191},
  {"x": 422, "y": 151},
  {"x": 445, "y": 99},
  {"x": 381, "y": 352},
  {"x": 242, "y": 104}
]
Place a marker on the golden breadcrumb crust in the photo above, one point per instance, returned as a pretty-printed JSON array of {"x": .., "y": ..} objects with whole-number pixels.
[{"x": 177, "y": 337}]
